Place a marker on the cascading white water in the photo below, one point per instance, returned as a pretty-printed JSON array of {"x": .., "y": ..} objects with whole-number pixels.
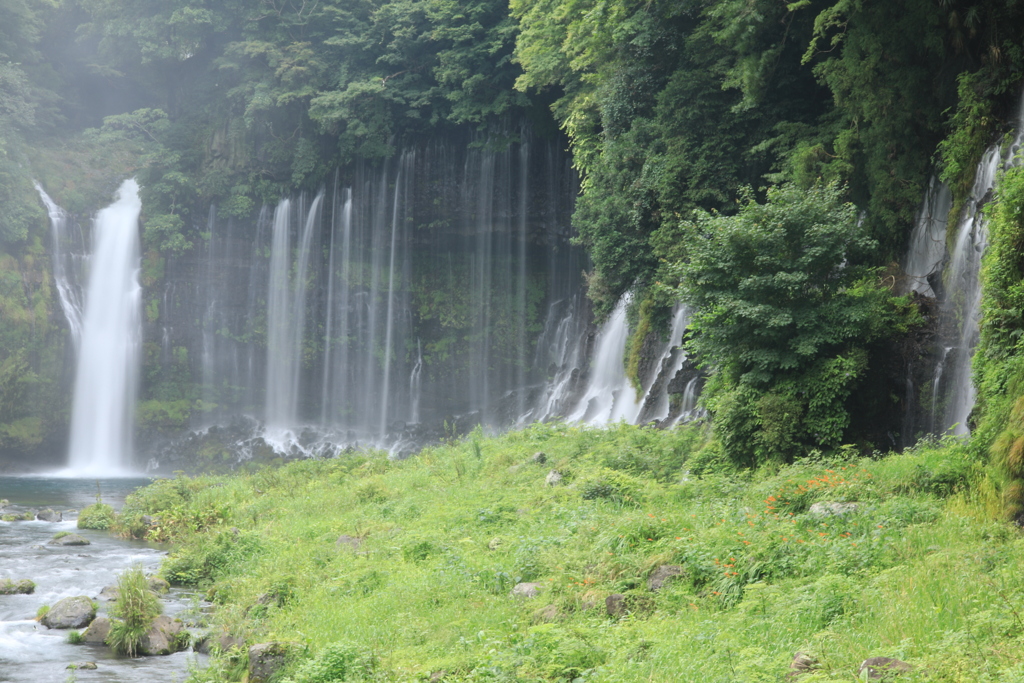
[
  {"x": 927, "y": 248},
  {"x": 953, "y": 391},
  {"x": 609, "y": 396},
  {"x": 68, "y": 291},
  {"x": 655, "y": 404},
  {"x": 286, "y": 314},
  {"x": 102, "y": 414}
]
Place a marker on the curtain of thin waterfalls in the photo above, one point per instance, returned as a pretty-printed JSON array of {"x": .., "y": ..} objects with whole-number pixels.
[
  {"x": 68, "y": 247},
  {"x": 105, "y": 383}
]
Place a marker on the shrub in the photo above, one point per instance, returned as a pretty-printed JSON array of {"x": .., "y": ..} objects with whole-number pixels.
[
  {"x": 96, "y": 516},
  {"x": 337, "y": 662},
  {"x": 74, "y": 638},
  {"x": 133, "y": 613}
]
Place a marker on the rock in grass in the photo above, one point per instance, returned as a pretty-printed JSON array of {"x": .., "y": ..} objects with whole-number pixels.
[
  {"x": 82, "y": 665},
  {"x": 350, "y": 542},
  {"x": 539, "y": 458},
  {"x": 526, "y": 590},
  {"x": 265, "y": 660},
  {"x": 660, "y": 576},
  {"x": 802, "y": 663},
  {"x": 49, "y": 515},
  {"x": 70, "y": 539},
  {"x": 19, "y": 587},
  {"x": 833, "y": 509},
  {"x": 164, "y": 637},
  {"x": 97, "y": 632},
  {"x": 554, "y": 478},
  {"x": 618, "y": 605},
  {"x": 548, "y": 614},
  {"x": 224, "y": 641},
  {"x": 76, "y": 612},
  {"x": 880, "y": 667}
]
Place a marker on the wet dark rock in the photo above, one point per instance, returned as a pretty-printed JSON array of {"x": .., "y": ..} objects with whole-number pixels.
[
  {"x": 660, "y": 576},
  {"x": 166, "y": 636},
  {"x": 49, "y": 515},
  {"x": 880, "y": 667},
  {"x": 76, "y": 612},
  {"x": 526, "y": 590},
  {"x": 97, "y": 632},
  {"x": 265, "y": 660},
  {"x": 69, "y": 540},
  {"x": 16, "y": 587}
]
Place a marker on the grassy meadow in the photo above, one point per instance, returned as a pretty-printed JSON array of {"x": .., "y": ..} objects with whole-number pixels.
[{"x": 376, "y": 570}]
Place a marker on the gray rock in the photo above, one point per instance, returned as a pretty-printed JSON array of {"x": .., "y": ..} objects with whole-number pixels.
[
  {"x": 548, "y": 614},
  {"x": 16, "y": 587},
  {"x": 802, "y": 663},
  {"x": 163, "y": 637},
  {"x": 76, "y": 612},
  {"x": 526, "y": 590},
  {"x": 158, "y": 585},
  {"x": 880, "y": 667},
  {"x": 109, "y": 593},
  {"x": 351, "y": 542},
  {"x": 660, "y": 576},
  {"x": 615, "y": 604},
  {"x": 554, "y": 478},
  {"x": 70, "y": 539},
  {"x": 82, "y": 665},
  {"x": 618, "y": 605},
  {"x": 539, "y": 457},
  {"x": 265, "y": 660},
  {"x": 223, "y": 642},
  {"x": 97, "y": 632},
  {"x": 438, "y": 676},
  {"x": 833, "y": 509},
  {"x": 49, "y": 515}
]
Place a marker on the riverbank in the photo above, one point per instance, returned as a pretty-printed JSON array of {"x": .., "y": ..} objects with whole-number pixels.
[
  {"x": 32, "y": 653},
  {"x": 561, "y": 553}
]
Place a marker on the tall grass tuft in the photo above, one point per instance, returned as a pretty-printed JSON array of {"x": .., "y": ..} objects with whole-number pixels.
[{"x": 133, "y": 613}]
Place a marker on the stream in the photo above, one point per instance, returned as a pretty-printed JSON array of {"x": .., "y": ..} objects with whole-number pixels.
[{"x": 31, "y": 653}]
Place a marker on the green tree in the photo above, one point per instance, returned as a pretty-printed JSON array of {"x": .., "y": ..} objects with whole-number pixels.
[{"x": 786, "y": 311}]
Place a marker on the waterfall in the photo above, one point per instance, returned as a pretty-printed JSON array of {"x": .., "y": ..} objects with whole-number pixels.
[
  {"x": 415, "y": 387},
  {"x": 952, "y": 389},
  {"x": 609, "y": 395},
  {"x": 927, "y": 248},
  {"x": 105, "y": 383},
  {"x": 64, "y": 273},
  {"x": 656, "y": 404},
  {"x": 286, "y": 313}
]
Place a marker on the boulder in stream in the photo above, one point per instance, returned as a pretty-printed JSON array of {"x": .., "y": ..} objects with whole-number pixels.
[
  {"x": 69, "y": 539},
  {"x": 48, "y": 515},
  {"x": 76, "y": 612},
  {"x": 97, "y": 632},
  {"x": 16, "y": 587},
  {"x": 166, "y": 636}
]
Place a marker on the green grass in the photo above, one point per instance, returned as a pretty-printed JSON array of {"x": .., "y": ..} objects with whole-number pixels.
[
  {"x": 919, "y": 571},
  {"x": 133, "y": 612}
]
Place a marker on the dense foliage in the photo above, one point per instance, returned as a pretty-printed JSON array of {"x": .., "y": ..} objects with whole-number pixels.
[{"x": 785, "y": 311}]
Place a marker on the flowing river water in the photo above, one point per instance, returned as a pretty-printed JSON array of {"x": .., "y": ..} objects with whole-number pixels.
[{"x": 31, "y": 653}]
